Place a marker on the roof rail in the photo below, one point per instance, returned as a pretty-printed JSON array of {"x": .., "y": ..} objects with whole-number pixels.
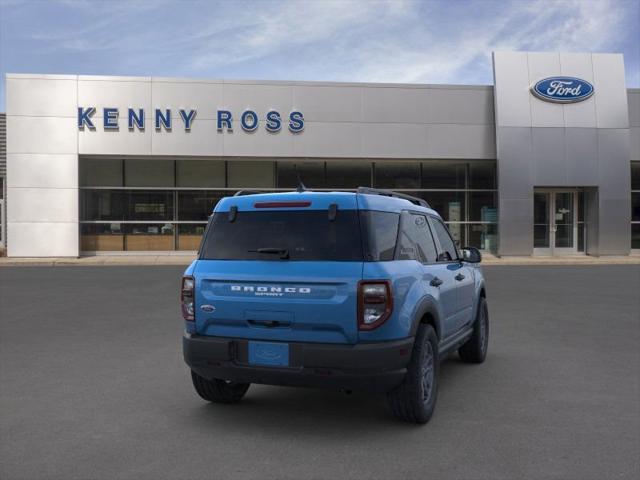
[
  {"x": 391, "y": 193},
  {"x": 241, "y": 193}
]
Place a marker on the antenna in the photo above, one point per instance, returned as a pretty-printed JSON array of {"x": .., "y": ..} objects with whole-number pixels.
[{"x": 300, "y": 186}]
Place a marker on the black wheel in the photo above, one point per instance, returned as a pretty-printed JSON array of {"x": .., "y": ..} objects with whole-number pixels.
[
  {"x": 475, "y": 349},
  {"x": 219, "y": 391},
  {"x": 415, "y": 398}
]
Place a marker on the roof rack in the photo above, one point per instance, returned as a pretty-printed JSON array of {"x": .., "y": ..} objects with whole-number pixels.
[{"x": 391, "y": 193}]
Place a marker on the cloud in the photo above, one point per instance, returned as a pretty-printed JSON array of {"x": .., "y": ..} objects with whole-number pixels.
[
  {"x": 438, "y": 41},
  {"x": 571, "y": 25},
  {"x": 264, "y": 29}
]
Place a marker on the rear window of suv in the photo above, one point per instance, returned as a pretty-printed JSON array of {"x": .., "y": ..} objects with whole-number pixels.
[{"x": 284, "y": 235}]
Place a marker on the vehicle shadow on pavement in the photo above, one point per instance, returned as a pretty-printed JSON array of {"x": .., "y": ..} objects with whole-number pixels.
[{"x": 314, "y": 411}]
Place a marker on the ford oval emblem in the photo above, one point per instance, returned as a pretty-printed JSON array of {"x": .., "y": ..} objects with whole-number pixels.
[
  {"x": 208, "y": 308},
  {"x": 562, "y": 89}
]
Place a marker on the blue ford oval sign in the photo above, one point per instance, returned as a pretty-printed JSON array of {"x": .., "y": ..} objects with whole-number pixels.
[{"x": 562, "y": 89}]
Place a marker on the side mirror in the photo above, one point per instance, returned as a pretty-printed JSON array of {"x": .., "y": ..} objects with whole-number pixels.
[{"x": 471, "y": 255}]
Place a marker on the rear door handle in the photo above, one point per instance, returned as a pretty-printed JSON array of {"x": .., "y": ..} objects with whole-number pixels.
[
  {"x": 459, "y": 277},
  {"x": 436, "y": 282}
]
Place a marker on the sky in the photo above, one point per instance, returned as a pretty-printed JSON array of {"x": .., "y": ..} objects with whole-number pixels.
[{"x": 399, "y": 41}]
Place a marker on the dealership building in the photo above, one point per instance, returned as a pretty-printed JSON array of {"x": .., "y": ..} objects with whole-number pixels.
[{"x": 546, "y": 161}]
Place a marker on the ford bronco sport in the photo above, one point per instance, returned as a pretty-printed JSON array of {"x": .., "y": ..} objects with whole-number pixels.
[{"x": 357, "y": 290}]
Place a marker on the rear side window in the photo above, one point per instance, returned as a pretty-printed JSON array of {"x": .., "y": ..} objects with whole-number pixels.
[
  {"x": 416, "y": 242},
  {"x": 448, "y": 248},
  {"x": 284, "y": 235},
  {"x": 381, "y": 233}
]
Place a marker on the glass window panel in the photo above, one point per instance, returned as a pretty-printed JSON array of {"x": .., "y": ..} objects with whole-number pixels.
[
  {"x": 443, "y": 175},
  {"x": 450, "y": 205},
  {"x": 541, "y": 236},
  {"x": 100, "y": 172},
  {"x": 482, "y": 206},
  {"x": 103, "y": 205},
  {"x": 190, "y": 236},
  {"x": 298, "y": 235},
  {"x": 200, "y": 173},
  {"x": 458, "y": 232},
  {"x": 397, "y": 175},
  {"x": 564, "y": 236},
  {"x": 249, "y": 175},
  {"x": 149, "y": 205},
  {"x": 483, "y": 236},
  {"x": 416, "y": 242},
  {"x": 635, "y": 175},
  {"x": 96, "y": 237},
  {"x": 382, "y": 231},
  {"x": 148, "y": 237},
  {"x": 635, "y": 235},
  {"x": 149, "y": 173},
  {"x": 635, "y": 206},
  {"x": 348, "y": 174},
  {"x": 448, "y": 249},
  {"x": 311, "y": 174},
  {"x": 482, "y": 175},
  {"x": 126, "y": 205},
  {"x": 540, "y": 208},
  {"x": 198, "y": 205}
]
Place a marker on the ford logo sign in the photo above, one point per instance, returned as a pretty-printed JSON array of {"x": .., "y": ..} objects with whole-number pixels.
[{"x": 562, "y": 89}]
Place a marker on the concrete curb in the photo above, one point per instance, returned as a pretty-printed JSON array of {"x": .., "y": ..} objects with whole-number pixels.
[
  {"x": 116, "y": 260},
  {"x": 184, "y": 260}
]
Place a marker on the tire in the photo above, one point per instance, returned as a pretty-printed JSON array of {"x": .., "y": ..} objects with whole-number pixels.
[
  {"x": 475, "y": 349},
  {"x": 414, "y": 400},
  {"x": 219, "y": 391}
]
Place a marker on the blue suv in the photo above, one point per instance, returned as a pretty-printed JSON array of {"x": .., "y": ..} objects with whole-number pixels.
[{"x": 357, "y": 290}]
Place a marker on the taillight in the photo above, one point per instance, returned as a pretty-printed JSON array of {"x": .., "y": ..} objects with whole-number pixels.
[
  {"x": 186, "y": 298},
  {"x": 375, "y": 303}
]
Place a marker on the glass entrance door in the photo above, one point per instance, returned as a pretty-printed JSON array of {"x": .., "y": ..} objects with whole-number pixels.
[{"x": 554, "y": 222}]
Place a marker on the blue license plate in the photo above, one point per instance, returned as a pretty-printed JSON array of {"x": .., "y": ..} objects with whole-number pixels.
[{"x": 267, "y": 353}]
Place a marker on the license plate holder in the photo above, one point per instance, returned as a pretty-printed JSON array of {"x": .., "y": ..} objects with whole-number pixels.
[{"x": 270, "y": 354}]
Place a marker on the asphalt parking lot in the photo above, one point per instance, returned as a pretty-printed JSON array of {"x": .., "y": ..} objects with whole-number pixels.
[{"x": 92, "y": 386}]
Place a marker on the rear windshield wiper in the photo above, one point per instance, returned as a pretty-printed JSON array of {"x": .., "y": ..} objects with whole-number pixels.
[{"x": 283, "y": 252}]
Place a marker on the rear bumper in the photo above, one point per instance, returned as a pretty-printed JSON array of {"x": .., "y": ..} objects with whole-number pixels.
[{"x": 364, "y": 367}]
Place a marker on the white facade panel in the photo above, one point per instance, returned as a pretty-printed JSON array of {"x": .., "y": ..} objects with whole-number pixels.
[
  {"x": 461, "y": 141},
  {"x": 329, "y": 103},
  {"x": 259, "y": 143},
  {"x": 612, "y": 109},
  {"x": 327, "y": 140},
  {"x": 205, "y": 97},
  {"x": 42, "y": 205},
  {"x": 395, "y": 105},
  {"x": 581, "y": 114},
  {"x": 511, "y": 73},
  {"x": 42, "y": 97},
  {"x": 634, "y": 134},
  {"x": 260, "y": 98},
  {"x": 42, "y": 239},
  {"x": 120, "y": 141},
  {"x": 203, "y": 139},
  {"x": 460, "y": 106},
  {"x": 395, "y": 140},
  {"x": 544, "y": 114},
  {"x": 41, "y": 134},
  {"x": 42, "y": 170},
  {"x": 114, "y": 93},
  {"x": 634, "y": 107}
]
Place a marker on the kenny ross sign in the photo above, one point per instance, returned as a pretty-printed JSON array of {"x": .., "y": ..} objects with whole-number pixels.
[{"x": 249, "y": 120}]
